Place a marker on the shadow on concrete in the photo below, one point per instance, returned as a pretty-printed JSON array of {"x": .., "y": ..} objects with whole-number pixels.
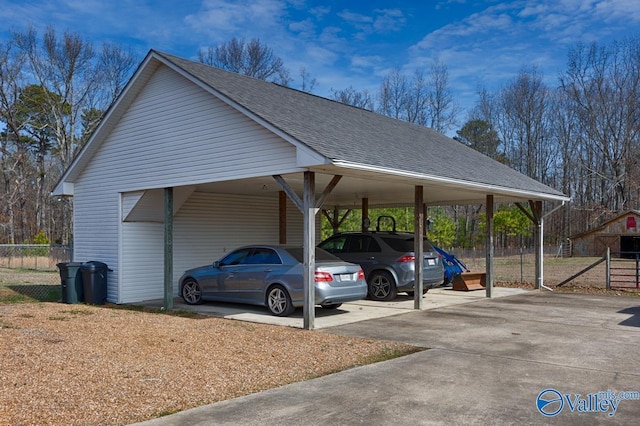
[{"x": 634, "y": 319}]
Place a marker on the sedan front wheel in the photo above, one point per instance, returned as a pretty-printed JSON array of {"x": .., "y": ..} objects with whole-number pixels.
[
  {"x": 279, "y": 301},
  {"x": 191, "y": 292}
]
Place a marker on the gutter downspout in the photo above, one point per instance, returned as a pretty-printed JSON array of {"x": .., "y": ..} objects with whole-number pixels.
[{"x": 541, "y": 245}]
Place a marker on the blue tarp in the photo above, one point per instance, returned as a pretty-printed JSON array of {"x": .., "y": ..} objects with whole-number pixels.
[{"x": 452, "y": 265}]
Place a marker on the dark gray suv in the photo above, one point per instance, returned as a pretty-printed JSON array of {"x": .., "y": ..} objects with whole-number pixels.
[{"x": 387, "y": 259}]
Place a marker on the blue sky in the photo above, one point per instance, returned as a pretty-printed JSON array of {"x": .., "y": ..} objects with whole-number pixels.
[{"x": 352, "y": 43}]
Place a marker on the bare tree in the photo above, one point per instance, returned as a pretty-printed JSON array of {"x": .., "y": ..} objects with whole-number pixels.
[
  {"x": 54, "y": 110},
  {"x": 424, "y": 100},
  {"x": 417, "y": 101},
  {"x": 64, "y": 67},
  {"x": 253, "y": 59},
  {"x": 351, "y": 96},
  {"x": 308, "y": 82},
  {"x": 603, "y": 87},
  {"x": 13, "y": 154},
  {"x": 524, "y": 109},
  {"x": 443, "y": 110},
  {"x": 393, "y": 97}
]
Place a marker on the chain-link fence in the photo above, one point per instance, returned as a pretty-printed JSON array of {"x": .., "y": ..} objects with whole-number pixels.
[
  {"x": 40, "y": 257},
  {"x": 28, "y": 272}
]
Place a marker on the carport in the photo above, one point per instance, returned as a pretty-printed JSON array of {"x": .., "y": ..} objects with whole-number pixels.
[{"x": 181, "y": 128}]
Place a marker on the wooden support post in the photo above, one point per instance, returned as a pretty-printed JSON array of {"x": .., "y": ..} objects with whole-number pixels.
[
  {"x": 365, "y": 215},
  {"x": 168, "y": 248},
  {"x": 282, "y": 222},
  {"x": 309, "y": 212},
  {"x": 489, "y": 248},
  {"x": 309, "y": 207},
  {"x": 418, "y": 247}
]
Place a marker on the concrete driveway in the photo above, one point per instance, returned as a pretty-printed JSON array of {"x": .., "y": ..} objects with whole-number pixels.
[
  {"x": 486, "y": 362},
  {"x": 348, "y": 313}
]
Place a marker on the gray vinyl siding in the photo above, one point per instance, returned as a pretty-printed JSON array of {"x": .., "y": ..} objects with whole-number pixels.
[
  {"x": 173, "y": 134},
  {"x": 142, "y": 261},
  {"x": 176, "y": 134},
  {"x": 206, "y": 227}
]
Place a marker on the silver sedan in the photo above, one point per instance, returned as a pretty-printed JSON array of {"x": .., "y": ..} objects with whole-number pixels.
[{"x": 272, "y": 276}]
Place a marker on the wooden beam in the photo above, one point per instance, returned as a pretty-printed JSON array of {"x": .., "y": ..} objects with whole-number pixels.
[
  {"x": 489, "y": 247},
  {"x": 335, "y": 221},
  {"x": 290, "y": 192},
  {"x": 526, "y": 212},
  {"x": 342, "y": 219},
  {"x": 418, "y": 247},
  {"x": 168, "y": 248},
  {"x": 327, "y": 190},
  {"x": 282, "y": 216}
]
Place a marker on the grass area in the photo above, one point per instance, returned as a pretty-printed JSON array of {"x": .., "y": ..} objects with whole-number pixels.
[
  {"x": 21, "y": 293},
  {"x": 26, "y": 286}
]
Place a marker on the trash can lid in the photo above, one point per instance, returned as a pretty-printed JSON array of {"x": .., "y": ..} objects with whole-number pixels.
[
  {"x": 93, "y": 265},
  {"x": 67, "y": 264}
]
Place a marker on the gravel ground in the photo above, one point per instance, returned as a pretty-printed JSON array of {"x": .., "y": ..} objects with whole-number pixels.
[{"x": 85, "y": 365}]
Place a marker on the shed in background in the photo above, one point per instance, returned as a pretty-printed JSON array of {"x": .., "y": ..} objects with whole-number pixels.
[{"x": 621, "y": 234}]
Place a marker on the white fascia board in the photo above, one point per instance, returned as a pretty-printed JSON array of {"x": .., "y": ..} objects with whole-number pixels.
[
  {"x": 62, "y": 189},
  {"x": 487, "y": 188}
]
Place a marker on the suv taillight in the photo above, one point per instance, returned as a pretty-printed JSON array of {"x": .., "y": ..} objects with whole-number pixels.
[{"x": 323, "y": 277}]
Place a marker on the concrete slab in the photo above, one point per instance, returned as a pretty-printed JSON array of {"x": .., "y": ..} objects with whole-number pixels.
[
  {"x": 486, "y": 362},
  {"x": 348, "y": 313}
]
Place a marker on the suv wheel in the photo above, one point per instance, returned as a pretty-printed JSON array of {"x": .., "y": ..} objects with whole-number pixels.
[{"x": 382, "y": 286}]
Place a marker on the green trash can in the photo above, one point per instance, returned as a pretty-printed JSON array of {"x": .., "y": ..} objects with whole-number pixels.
[
  {"x": 94, "y": 282},
  {"x": 71, "y": 281}
]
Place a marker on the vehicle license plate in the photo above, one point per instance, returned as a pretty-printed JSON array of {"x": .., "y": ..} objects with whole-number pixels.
[
  {"x": 346, "y": 277},
  {"x": 431, "y": 262}
]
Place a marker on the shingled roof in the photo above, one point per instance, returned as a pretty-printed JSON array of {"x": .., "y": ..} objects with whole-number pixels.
[
  {"x": 378, "y": 153},
  {"x": 343, "y": 133}
]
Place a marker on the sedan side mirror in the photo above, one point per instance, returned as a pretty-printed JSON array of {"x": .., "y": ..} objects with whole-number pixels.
[{"x": 216, "y": 264}]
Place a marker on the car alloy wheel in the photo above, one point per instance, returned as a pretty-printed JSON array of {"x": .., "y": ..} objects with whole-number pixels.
[
  {"x": 279, "y": 302},
  {"x": 382, "y": 286},
  {"x": 191, "y": 292}
]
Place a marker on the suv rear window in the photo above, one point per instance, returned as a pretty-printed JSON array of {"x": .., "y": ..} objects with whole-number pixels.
[
  {"x": 405, "y": 244},
  {"x": 363, "y": 244}
]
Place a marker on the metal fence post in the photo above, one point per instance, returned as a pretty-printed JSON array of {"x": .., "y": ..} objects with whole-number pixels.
[
  {"x": 608, "y": 269},
  {"x": 637, "y": 269}
]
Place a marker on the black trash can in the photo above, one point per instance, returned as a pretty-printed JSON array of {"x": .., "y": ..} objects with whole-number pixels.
[
  {"x": 94, "y": 282},
  {"x": 71, "y": 281}
]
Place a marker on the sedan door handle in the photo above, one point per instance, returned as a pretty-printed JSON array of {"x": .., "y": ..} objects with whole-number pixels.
[{"x": 268, "y": 270}]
